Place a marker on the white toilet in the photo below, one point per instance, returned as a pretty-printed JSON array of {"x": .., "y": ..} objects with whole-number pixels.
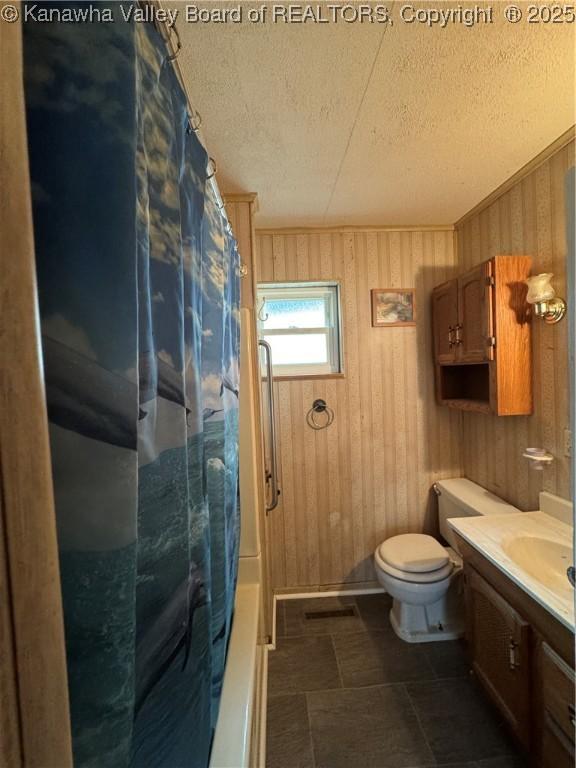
[{"x": 423, "y": 576}]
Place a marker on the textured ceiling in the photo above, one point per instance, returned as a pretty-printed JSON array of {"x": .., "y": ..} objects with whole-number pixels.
[{"x": 336, "y": 124}]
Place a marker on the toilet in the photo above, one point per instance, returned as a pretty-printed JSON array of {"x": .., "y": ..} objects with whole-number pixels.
[{"x": 423, "y": 576}]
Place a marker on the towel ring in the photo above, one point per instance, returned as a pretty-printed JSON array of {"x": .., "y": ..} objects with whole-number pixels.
[{"x": 319, "y": 407}]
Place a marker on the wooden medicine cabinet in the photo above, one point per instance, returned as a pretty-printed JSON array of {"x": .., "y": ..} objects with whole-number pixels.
[{"x": 482, "y": 350}]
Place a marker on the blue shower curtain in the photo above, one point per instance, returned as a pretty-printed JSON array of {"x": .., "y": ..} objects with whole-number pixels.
[{"x": 138, "y": 283}]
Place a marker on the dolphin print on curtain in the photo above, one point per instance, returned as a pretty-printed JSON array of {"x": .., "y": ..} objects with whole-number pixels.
[{"x": 138, "y": 283}]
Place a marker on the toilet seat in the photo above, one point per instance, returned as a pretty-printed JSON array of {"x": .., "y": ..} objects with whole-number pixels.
[
  {"x": 414, "y": 552},
  {"x": 415, "y": 558}
]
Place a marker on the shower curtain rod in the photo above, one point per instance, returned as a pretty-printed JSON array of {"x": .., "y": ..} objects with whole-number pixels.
[{"x": 167, "y": 33}]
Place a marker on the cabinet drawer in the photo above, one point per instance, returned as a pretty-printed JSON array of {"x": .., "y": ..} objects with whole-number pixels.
[{"x": 558, "y": 691}]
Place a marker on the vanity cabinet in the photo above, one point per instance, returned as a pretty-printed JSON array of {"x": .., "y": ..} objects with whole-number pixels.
[
  {"x": 558, "y": 708},
  {"x": 524, "y": 659},
  {"x": 499, "y": 642},
  {"x": 482, "y": 352}
]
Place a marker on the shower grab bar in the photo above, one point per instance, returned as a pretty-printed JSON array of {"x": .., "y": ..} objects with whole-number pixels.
[{"x": 273, "y": 474}]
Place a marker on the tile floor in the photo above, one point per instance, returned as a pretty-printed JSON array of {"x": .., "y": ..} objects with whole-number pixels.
[{"x": 345, "y": 692}]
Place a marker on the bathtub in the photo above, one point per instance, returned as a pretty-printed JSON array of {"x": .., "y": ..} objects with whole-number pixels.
[{"x": 239, "y": 739}]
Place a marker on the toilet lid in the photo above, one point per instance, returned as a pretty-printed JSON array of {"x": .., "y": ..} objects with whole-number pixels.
[{"x": 414, "y": 553}]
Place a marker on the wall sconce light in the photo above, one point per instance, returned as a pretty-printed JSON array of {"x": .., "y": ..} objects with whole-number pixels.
[{"x": 543, "y": 298}]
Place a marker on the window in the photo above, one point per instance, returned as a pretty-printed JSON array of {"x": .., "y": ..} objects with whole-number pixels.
[{"x": 301, "y": 322}]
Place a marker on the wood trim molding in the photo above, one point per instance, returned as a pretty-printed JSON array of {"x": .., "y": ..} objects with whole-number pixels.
[
  {"x": 10, "y": 732},
  {"x": 355, "y": 228},
  {"x": 527, "y": 169},
  {"x": 352, "y": 588},
  {"x": 35, "y": 703},
  {"x": 310, "y": 377},
  {"x": 241, "y": 197}
]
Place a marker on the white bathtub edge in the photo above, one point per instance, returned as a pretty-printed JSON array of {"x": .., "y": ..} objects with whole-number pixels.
[{"x": 231, "y": 747}]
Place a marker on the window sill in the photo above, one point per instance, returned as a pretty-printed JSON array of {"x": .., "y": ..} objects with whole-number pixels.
[{"x": 309, "y": 376}]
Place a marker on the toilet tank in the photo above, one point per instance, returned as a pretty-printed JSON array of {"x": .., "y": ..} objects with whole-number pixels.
[{"x": 459, "y": 497}]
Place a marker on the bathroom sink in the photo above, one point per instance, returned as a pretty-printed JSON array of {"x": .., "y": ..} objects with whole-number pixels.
[{"x": 542, "y": 559}]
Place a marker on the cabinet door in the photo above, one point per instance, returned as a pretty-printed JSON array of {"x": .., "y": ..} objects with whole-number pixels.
[
  {"x": 557, "y": 750},
  {"x": 500, "y": 646},
  {"x": 559, "y": 715},
  {"x": 444, "y": 321},
  {"x": 474, "y": 335}
]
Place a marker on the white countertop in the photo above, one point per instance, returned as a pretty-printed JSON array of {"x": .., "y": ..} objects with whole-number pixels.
[{"x": 488, "y": 533}]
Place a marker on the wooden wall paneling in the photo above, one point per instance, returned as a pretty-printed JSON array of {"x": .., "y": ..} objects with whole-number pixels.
[
  {"x": 34, "y": 707},
  {"x": 282, "y": 538},
  {"x": 517, "y": 433},
  {"x": 368, "y": 476},
  {"x": 375, "y": 398},
  {"x": 283, "y": 530},
  {"x": 10, "y": 732},
  {"x": 421, "y": 375},
  {"x": 240, "y": 211},
  {"x": 550, "y": 333},
  {"x": 363, "y": 387},
  {"x": 525, "y": 478},
  {"x": 396, "y": 341},
  {"x": 428, "y": 273},
  {"x": 354, "y": 405},
  {"x": 385, "y": 349},
  {"x": 278, "y": 549},
  {"x": 527, "y": 218},
  {"x": 320, "y": 459},
  {"x": 409, "y": 269},
  {"x": 342, "y": 410},
  {"x": 558, "y": 169},
  {"x": 327, "y": 455}
]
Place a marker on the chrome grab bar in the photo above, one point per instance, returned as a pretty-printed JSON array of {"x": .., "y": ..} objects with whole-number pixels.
[{"x": 273, "y": 474}]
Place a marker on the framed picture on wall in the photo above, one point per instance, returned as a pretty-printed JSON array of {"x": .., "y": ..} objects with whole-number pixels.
[{"x": 393, "y": 307}]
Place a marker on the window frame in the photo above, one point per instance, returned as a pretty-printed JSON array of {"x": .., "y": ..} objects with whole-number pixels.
[{"x": 334, "y": 368}]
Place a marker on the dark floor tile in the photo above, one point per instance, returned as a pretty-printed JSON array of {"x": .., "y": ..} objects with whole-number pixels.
[
  {"x": 375, "y": 610},
  {"x": 472, "y": 764},
  {"x": 448, "y": 658},
  {"x": 288, "y": 740},
  {"x": 302, "y": 664},
  {"x": 296, "y": 622},
  {"x": 374, "y": 657},
  {"x": 369, "y": 727},
  {"x": 280, "y": 622},
  {"x": 458, "y": 722},
  {"x": 505, "y": 761}
]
